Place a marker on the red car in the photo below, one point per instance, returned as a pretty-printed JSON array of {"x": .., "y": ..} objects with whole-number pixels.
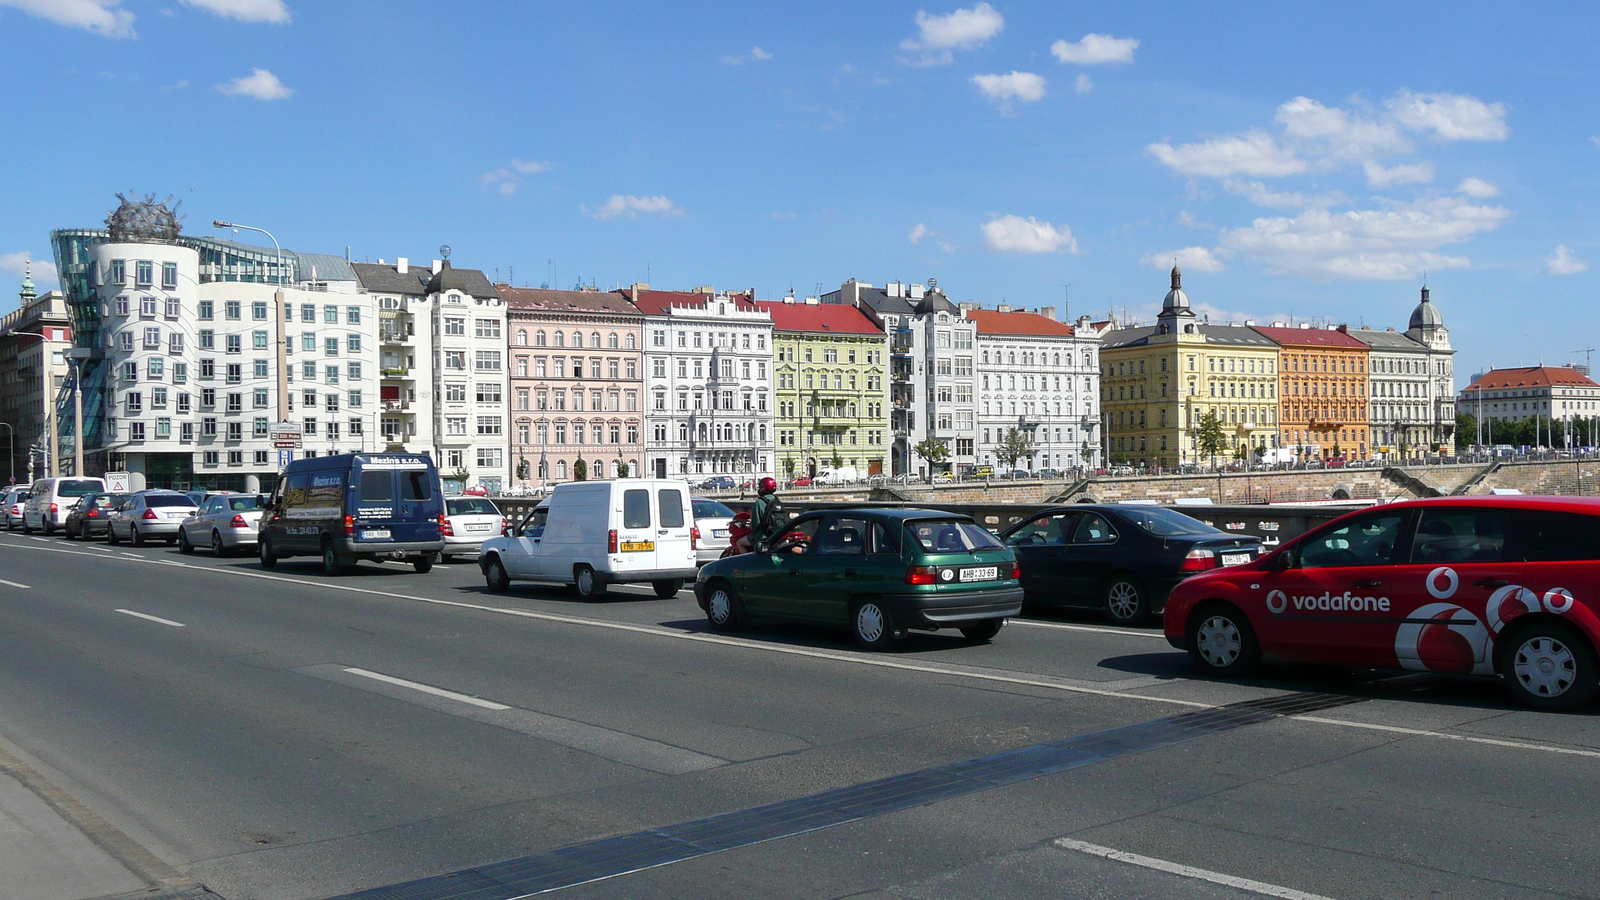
[{"x": 1506, "y": 586}]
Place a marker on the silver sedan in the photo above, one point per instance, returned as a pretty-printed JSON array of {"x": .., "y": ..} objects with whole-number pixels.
[
  {"x": 227, "y": 523},
  {"x": 149, "y": 515}
]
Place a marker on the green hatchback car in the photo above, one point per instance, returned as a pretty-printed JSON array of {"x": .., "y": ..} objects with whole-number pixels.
[{"x": 879, "y": 572}]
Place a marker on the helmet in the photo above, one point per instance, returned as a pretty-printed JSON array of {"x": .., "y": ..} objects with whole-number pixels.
[{"x": 766, "y": 486}]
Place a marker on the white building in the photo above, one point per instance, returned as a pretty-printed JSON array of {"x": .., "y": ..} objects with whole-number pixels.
[
  {"x": 1412, "y": 385},
  {"x": 932, "y": 348},
  {"x": 1040, "y": 377},
  {"x": 708, "y": 383},
  {"x": 444, "y": 371}
]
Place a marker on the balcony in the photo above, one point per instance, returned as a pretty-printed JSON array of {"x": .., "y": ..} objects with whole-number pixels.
[
  {"x": 390, "y": 370},
  {"x": 394, "y": 336},
  {"x": 396, "y": 405}
]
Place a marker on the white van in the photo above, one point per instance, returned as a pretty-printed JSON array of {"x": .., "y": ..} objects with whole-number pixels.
[
  {"x": 52, "y": 499},
  {"x": 590, "y": 534}
]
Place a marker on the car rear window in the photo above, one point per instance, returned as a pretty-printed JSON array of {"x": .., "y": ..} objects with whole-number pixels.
[
  {"x": 376, "y": 486},
  {"x": 416, "y": 486},
  {"x": 951, "y": 536},
  {"x": 636, "y": 509},
  {"x": 1164, "y": 522},
  {"x": 104, "y": 500},
  {"x": 1559, "y": 537},
  {"x": 671, "y": 503},
  {"x": 77, "y": 487},
  {"x": 244, "y": 504},
  {"x": 471, "y": 506},
  {"x": 710, "y": 509},
  {"x": 167, "y": 500}
]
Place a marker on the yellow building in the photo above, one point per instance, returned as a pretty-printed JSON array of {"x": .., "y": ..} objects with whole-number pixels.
[{"x": 1158, "y": 382}]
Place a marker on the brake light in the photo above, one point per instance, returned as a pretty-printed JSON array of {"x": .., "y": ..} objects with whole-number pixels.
[
  {"x": 1198, "y": 561},
  {"x": 611, "y": 541},
  {"x": 238, "y": 522},
  {"x": 694, "y": 537},
  {"x": 1016, "y": 572},
  {"x": 922, "y": 575},
  {"x": 148, "y": 514},
  {"x": 54, "y": 509},
  {"x": 349, "y": 525},
  {"x": 505, "y": 525},
  {"x": 445, "y": 528},
  {"x": 94, "y": 513}
]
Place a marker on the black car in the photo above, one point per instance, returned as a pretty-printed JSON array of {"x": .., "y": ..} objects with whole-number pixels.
[
  {"x": 88, "y": 517},
  {"x": 1122, "y": 559}
]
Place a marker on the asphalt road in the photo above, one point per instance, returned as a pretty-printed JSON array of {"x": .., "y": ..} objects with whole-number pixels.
[{"x": 285, "y": 735}]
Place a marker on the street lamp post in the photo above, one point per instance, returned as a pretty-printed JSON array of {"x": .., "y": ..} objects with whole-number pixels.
[{"x": 283, "y": 373}]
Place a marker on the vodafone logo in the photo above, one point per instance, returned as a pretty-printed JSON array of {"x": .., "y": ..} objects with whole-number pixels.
[
  {"x": 1443, "y": 582},
  {"x": 1277, "y": 602}
]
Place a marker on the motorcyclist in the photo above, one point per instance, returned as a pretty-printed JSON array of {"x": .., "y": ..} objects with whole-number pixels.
[{"x": 765, "y": 514}]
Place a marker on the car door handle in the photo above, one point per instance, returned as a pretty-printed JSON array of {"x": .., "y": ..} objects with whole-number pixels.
[
  {"x": 1368, "y": 583},
  {"x": 1492, "y": 583}
]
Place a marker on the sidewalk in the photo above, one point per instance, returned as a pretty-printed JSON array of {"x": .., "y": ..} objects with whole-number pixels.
[{"x": 45, "y": 857}]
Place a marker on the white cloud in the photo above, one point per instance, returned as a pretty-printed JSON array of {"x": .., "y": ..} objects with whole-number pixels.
[
  {"x": 1452, "y": 117},
  {"x": 273, "y": 11},
  {"x": 1255, "y": 153},
  {"x": 44, "y": 271},
  {"x": 507, "y": 180},
  {"x": 1257, "y": 193},
  {"x": 1095, "y": 49},
  {"x": 260, "y": 84},
  {"x": 1595, "y": 140},
  {"x": 1336, "y": 134},
  {"x": 963, "y": 29},
  {"x": 756, "y": 54},
  {"x": 1416, "y": 173},
  {"x": 1395, "y": 242},
  {"x": 1197, "y": 259},
  {"x": 629, "y": 206},
  {"x": 1564, "y": 263},
  {"x": 1023, "y": 87},
  {"x": 1014, "y": 234},
  {"x": 529, "y": 166},
  {"x": 1477, "y": 187},
  {"x": 1083, "y": 85},
  {"x": 918, "y": 233},
  {"x": 102, "y": 17}
]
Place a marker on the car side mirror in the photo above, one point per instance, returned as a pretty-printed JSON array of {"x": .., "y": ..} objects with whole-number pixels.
[{"x": 1278, "y": 562}]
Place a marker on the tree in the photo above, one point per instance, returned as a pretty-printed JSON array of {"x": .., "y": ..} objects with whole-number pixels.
[
  {"x": 1466, "y": 430},
  {"x": 580, "y": 470},
  {"x": 933, "y": 451},
  {"x": 837, "y": 461},
  {"x": 461, "y": 474},
  {"x": 1015, "y": 444},
  {"x": 622, "y": 469},
  {"x": 1210, "y": 439},
  {"x": 788, "y": 467},
  {"x": 523, "y": 469}
]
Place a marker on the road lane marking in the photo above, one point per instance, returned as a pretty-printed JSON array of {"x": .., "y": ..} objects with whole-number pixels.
[
  {"x": 1161, "y": 865},
  {"x": 129, "y": 612},
  {"x": 427, "y": 689},
  {"x": 15, "y": 584},
  {"x": 1064, "y": 627},
  {"x": 1418, "y": 732}
]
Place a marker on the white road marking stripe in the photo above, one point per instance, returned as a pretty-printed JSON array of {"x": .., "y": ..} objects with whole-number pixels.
[
  {"x": 1161, "y": 865},
  {"x": 129, "y": 612},
  {"x": 1063, "y": 627},
  {"x": 15, "y": 584},
  {"x": 1417, "y": 732},
  {"x": 427, "y": 689}
]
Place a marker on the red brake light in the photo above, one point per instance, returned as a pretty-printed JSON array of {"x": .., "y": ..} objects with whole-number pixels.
[
  {"x": 238, "y": 522},
  {"x": 922, "y": 575},
  {"x": 445, "y": 528},
  {"x": 694, "y": 537},
  {"x": 54, "y": 509},
  {"x": 349, "y": 525},
  {"x": 93, "y": 513},
  {"x": 1198, "y": 561},
  {"x": 505, "y": 525},
  {"x": 1016, "y": 572},
  {"x": 611, "y": 541},
  {"x": 148, "y": 514}
]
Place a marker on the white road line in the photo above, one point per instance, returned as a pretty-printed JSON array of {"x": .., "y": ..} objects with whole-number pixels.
[
  {"x": 1417, "y": 732},
  {"x": 15, "y": 584},
  {"x": 129, "y": 612},
  {"x": 1031, "y": 623},
  {"x": 427, "y": 689},
  {"x": 1161, "y": 865}
]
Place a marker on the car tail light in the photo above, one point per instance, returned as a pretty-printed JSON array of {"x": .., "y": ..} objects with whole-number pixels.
[
  {"x": 54, "y": 509},
  {"x": 445, "y": 528},
  {"x": 148, "y": 514},
  {"x": 349, "y": 525},
  {"x": 611, "y": 541},
  {"x": 238, "y": 522},
  {"x": 505, "y": 525},
  {"x": 1198, "y": 561},
  {"x": 94, "y": 513},
  {"x": 922, "y": 575},
  {"x": 1016, "y": 572},
  {"x": 694, "y": 537}
]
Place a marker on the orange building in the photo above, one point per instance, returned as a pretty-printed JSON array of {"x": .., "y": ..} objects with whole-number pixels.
[{"x": 1322, "y": 392}]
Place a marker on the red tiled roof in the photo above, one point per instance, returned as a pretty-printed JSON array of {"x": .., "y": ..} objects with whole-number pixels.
[
  {"x": 564, "y": 301},
  {"x": 833, "y": 318},
  {"x": 1312, "y": 337},
  {"x": 656, "y": 303},
  {"x": 993, "y": 321},
  {"x": 1530, "y": 376}
]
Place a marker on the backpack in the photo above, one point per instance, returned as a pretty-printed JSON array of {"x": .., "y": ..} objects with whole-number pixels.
[{"x": 772, "y": 518}]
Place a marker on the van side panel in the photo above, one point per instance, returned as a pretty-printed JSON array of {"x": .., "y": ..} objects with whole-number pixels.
[{"x": 579, "y": 516}]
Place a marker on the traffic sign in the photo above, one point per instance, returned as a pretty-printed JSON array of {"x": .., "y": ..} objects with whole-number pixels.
[
  {"x": 284, "y": 458},
  {"x": 285, "y": 436},
  {"x": 117, "y": 482}
]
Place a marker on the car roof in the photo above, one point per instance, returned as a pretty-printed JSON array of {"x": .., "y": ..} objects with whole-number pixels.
[{"x": 898, "y": 514}]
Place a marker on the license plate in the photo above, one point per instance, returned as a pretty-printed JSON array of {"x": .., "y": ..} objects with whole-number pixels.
[
  {"x": 719, "y": 532},
  {"x": 1235, "y": 559},
  {"x": 478, "y": 527},
  {"x": 987, "y": 573},
  {"x": 637, "y": 546},
  {"x": 375, "y": 534}
]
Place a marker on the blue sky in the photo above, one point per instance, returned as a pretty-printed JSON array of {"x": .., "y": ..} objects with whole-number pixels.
[{"x": 1304, "y": 159}]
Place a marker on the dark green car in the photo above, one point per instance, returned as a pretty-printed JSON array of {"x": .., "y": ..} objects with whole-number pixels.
[{"x": 879, "y": 572}]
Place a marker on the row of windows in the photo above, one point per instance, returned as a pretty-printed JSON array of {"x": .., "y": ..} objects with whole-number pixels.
[
  {"x": 727, "y": 340},
  {"x": 1033, "y": 358},
  {"x": 556, "y": 367},
  {"x": 1030, "y": 407},
  {"x": 483, "y": 361},
  {"x": 719, "y": 400},
  {"x": 559, "y": 339},
  {"x": 557, "y": 400},
  {"x": 558, "y": 432},
  {"x": 211, "y": 428},
  {"x": 868, "y": 437},
  {"x": 702, "y": 368},
  {"x": 143, "y": 273},
  {"x": 716, "y": 431},
  {"x": 133, "y": 401},
  {"x": 830, "y": 355},
  {"x": 829, "y": 409},
  {"x": 1034, "y": 382},
  {"x": 821, "y": 380}
]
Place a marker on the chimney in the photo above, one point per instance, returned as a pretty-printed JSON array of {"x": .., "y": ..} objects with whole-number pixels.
[
  {"x": 1085, "y": 322},
  {"x": 1305, "y": 324},
  {"x": 1249, "y": 321},
  {"x": 812, "y": 301},
  {"x": 1280, "y": 324},
  {"x": 1342, "y": 329},
  {"x": 438, "y": 266},
  {"x": 1049, "y": 312},
  {"x": 402, "y": 265},
  {"x": 917, "y": 292},
  {"x": 969, "y": 306},
  {"x": 895, "y": 289},
  {"x": 1000, "y": 307}
]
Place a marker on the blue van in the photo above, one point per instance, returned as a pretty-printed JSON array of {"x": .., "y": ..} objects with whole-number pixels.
[{"x": 353, "y": 506}]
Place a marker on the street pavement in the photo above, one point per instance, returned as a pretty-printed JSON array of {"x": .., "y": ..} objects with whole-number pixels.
[{"x": 168, "y": 720}]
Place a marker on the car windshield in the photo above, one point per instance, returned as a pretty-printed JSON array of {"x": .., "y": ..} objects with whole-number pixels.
[
  {"x": 245, "y": 503},
  {"x": 1163, "y": 522},
  {"x": 167, "y": 500},
  {"x": 103, "y": 500},
  {"x": 77, "y": 487},
  {"x": 710, "y": 509},
  {"x": 471, "y": 506},
  {"x": 951, "y": 536}
]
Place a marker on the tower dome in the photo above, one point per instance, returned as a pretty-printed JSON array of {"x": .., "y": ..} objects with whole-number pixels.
[
  {"x": 1426, "y": 315},
  {"x": 1176, "y": 298}
]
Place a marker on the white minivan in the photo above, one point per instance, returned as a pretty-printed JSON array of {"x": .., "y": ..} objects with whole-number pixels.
[
  {"x": 590, "y": 534},
  {"x": 53, "y": 498}
]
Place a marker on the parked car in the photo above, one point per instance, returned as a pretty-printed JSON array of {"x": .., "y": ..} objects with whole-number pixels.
[
  {"x": 378, "y": 507},
  {"x": 1506, "y": 586},
  {"x": 11, "y": 506},
  {"x": 802, "y": 481},
  {"x": 878, "y": 572},
  {"x": 719, "y": 483},
  {"x": 146, "y": 515},
  {"x": 467, "y": 522},
  {"x": 1124, "y": 560},
  {"x": 226, "y": 523},
  {"x": 90, "y": 515},
  {"x": 591, "y": 534},
  {"x": 712, "y": 519},
  {"x": 476, "y": 490},
  {"x": 50, "y": 499}
]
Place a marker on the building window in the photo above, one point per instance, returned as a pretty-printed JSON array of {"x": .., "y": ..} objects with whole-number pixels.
[
  {"x": 354, "y": 399},
  {"x": 489, "y": 392},
  {"x": 185, "y": 431},
  {"x": 118, "y": 273},
  {"x": 235, "y": 403},
  {"x": 120, "y": 305},
  {"x": 259, "y": 398},
  {"x": 455, "y": 326},
  {"x": 489, "y": 457},
  {"x": 489, "y": 425},
  {"x": 231, "y": 309},
  {"x": 152, "y": 339},
  {"x": 260, "y": 367},
  {"x": 455, "y": 425},
  {"x": 455, "y": 359},
  {"x": 258, "y": 310},
  {"x": 208, "y": 427},
  {"x": 488, "y": 361},
  {"x": 174, "y": 307},
  {"x": 235, "y": 343},
  {"x": 486, "y": 328},
  {"x": 144, "y": 273},
  {"x": 235, "y": 373}
]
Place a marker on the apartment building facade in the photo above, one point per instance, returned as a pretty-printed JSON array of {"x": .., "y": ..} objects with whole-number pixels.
[
  {"x": 1323, "y": 379},
  {"x": 34, "y": 367},
  {"x": 1039, "y": 378}
]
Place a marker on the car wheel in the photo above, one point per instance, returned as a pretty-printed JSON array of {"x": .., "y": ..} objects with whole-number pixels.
[
  {"x": 724, "y": 609},
  {"x": 330, "y": 560},
  {"x": 983, "y": 632},
  {"x": 667, "y": 588},
  {"x": 26, "y": 528},
  {"x": 423, "y": 563},
  {"x": 873, "y": 625},
  {"x": 47, "y": 527},
  {"x": 1126, "y": 602},
  {"x": 111, "y": 534},
  {"x": 217, "y": 549},
  {"x": 1222, "y": 641},
  {"x": 495, "y": 577},
  {"x": 583, "y": 581},
  {"x": 70, "y": 535},
  {"x": 134, "y": 536},
  {"x": 1549, "y": 665},
  {"x": 183, "y": 542},
  {"x": 264, "y": 551}
]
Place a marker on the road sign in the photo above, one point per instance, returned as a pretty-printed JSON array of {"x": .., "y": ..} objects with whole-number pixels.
[
  {"x": 117, "y": 482},
  {"x": 284, "y": 458},
  {"x": 285, "y": 436}
]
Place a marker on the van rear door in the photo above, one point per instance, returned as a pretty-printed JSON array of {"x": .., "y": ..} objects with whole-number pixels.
[
  {"x": 375, "y": 504},
  {"x": 674, "y": 548},
  {"x": 419, "y": 503}
]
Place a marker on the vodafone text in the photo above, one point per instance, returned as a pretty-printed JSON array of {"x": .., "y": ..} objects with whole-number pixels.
[{"x": 1278, "y": 601}]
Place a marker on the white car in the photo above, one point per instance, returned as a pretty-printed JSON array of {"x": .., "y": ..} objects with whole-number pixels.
[
  {"x": 149, "y": 514},
  {"x": 712, "y": 519},
  {"x": 226, "y": 523},
  {"x": 468, "y": 521},
  {"x": 11, "y": 507}
]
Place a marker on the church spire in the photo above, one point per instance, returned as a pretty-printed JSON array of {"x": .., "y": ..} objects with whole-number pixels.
[
  {"x": 1177, "y": 277},
  {"x": 27, "y": 294}
]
